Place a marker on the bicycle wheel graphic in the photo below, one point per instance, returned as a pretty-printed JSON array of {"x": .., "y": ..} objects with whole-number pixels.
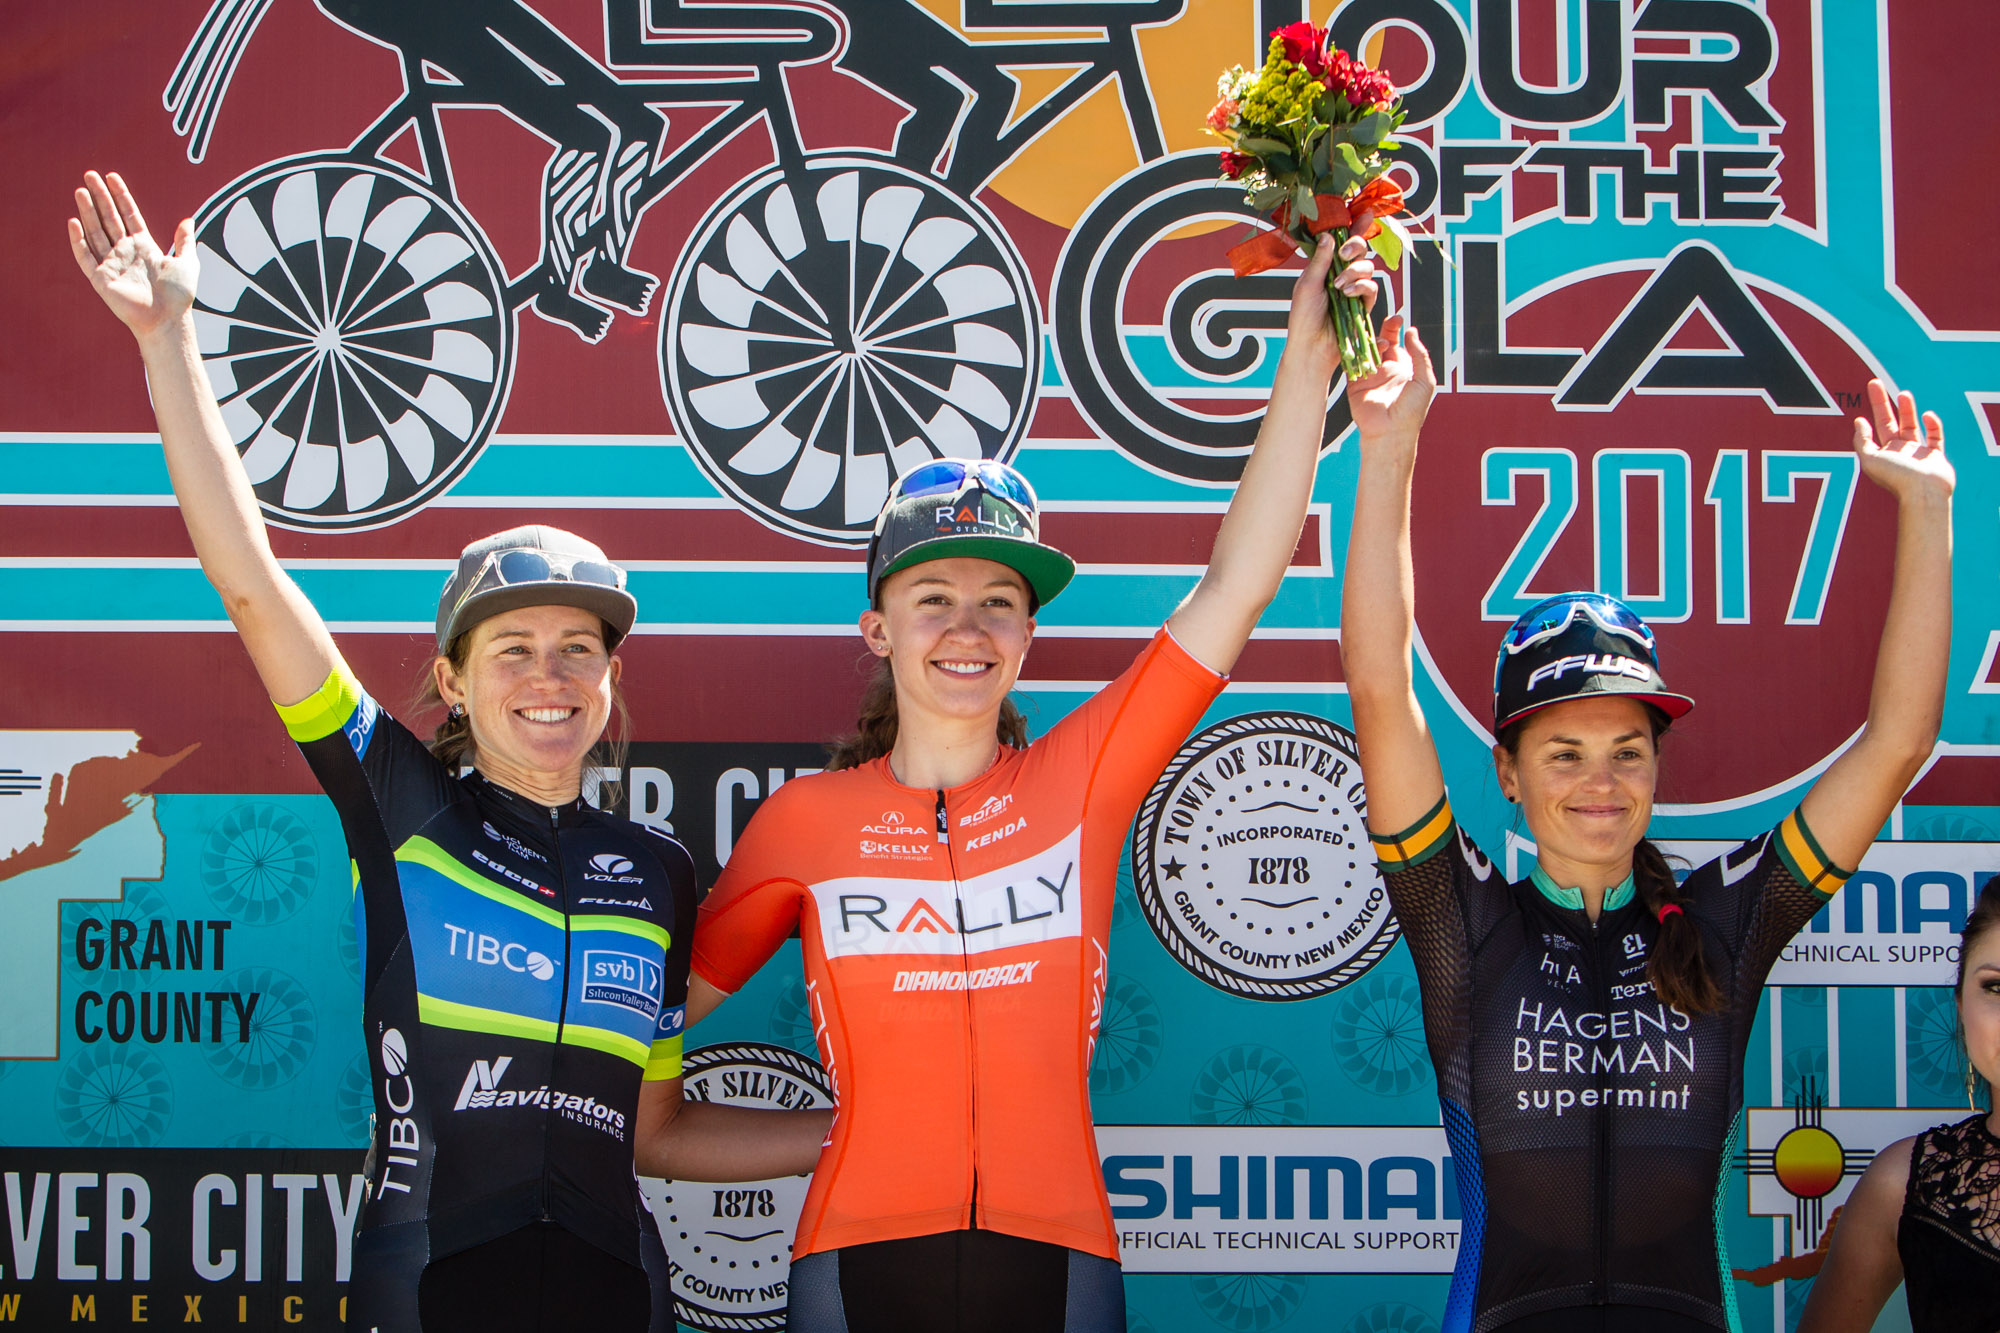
[
  {"x": 114, "y": 1097},
  {"x": 1378, "y": 1036},
  {"x": 283, "y": 1030},
  {"x": 1128, "y": 1037},
  {"x": 353, "y": 325},
  {"x": 1936, "y": 1058},
  {"x": 1248, "y": 1085},
  {"x": 354, "y": 1102},
  {"x": 831, "y": 329},
  {"x": 1391, "y": 1317},
  {"x": 259, "y": 863},
  {"x": 1248, "y": 1302}
]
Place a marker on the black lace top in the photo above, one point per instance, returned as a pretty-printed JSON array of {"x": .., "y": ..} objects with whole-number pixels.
[{"x": 1949, "y": 1234}]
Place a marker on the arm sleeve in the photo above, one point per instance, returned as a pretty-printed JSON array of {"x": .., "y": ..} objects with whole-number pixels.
[
  {"x": 1762, "y": 893},
  {"x": 366, "y": 760},
  {"x": 1437, "y": 880},
  {"x": 663, "y": 1061},
  {"x": 1134, "y": 725},
  {"x": 754, "y": 906}
]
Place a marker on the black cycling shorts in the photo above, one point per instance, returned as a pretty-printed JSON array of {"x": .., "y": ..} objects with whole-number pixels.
[
  {"x": 956, "y": 1282},
  {"x": 539, "y": 1279}
]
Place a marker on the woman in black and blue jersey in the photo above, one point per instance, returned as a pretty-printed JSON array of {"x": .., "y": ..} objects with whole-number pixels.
[
  {"x": 1588, "y": 1024},
  {"x": 524, "y": 956}
]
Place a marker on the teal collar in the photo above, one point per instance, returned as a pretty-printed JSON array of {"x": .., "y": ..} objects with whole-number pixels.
[{"x": 1614, "y": 898}]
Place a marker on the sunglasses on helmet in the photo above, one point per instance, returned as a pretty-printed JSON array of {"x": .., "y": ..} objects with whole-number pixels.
[
  {"x": 521, "y": 564},
  {"x": 953, "y": 475},
  {"x": 1610, "y": 615}
]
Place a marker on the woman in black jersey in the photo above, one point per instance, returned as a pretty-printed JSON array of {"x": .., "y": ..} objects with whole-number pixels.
[
  {"x": 1588, "y": 1024},
  {"x": 524, "y": 956},
  {"x": 1927, "y": 1212}
]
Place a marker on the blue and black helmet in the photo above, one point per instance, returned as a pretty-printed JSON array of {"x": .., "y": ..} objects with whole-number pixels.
[{"x": 1576, "y": 644}]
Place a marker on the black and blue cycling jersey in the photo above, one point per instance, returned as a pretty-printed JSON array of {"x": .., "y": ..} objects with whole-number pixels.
[
  {"x": 1591, "y": 1124},
  {"x": 524, "y": 971}
]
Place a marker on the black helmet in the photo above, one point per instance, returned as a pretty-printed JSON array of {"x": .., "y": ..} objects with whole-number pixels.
[
  {"x": 534, "y": 565},
  {"x": 1576, "y": 644},
  {"x": 978, "y": 507}
]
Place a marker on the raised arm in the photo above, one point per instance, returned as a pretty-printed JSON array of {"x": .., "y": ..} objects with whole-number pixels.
[
  {"x": 1254, "y": 545},
  {"x": 1905, "y": 456},
  {"x": 152, "y": 291},
  {"x": 1378, "y": 594}
]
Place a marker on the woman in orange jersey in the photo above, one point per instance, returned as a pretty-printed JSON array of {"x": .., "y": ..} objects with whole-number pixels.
[{"x": 952, "y": 884}]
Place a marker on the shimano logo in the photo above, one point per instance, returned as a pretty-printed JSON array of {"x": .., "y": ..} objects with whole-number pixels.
[
  {"x": 503, "y": 871},
  {"x": 512, "y": 843},
  {"x": 611, "y": 868},
  {"x": 482, "y": 1091},
  {"x": 487, "y": 951},
  {"x": 1591, "y": 664},
  {"x": 643, "y": 904}
]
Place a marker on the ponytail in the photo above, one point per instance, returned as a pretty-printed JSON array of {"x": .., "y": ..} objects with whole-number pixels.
[
  {"x": 1678, "y": 968},
  {"x": 874, "y": 733}
]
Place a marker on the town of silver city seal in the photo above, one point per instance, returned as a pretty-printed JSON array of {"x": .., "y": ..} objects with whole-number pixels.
[
  {"x": 1251, "y": 859},
  {"x": 729, "y": 1247}
]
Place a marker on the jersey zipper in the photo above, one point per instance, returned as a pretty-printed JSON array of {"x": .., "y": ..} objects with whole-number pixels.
[
  {"x": 971, "y": 1029},
  {"x": 562, "y": 1004},
  {"x": 1602, "y": 1184}
]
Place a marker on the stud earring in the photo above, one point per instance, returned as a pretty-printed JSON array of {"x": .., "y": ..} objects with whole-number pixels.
[{"x": 456, "y": 711}]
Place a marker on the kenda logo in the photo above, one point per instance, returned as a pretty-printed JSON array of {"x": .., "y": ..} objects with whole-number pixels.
[
  {"x": 611, "y": 868},
  {"x": 625, "y": 980},
  {"x": 512, "y": 843},
  {"x": 1271, "y": 1199},
  {"x": 992, "y": 809},
  {"x": 505, "y": 873},
  {"x": 1029, "y": 901},
  {"x": 489, "y": 951},
  {"x": 481, "y": 1091},
  {"x": 1591, "y": 664}
]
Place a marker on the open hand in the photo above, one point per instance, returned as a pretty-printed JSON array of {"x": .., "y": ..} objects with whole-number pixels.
[
  {"x": 146, "y": 287},
  {"x": 1395, "y": 399},
  {"x": 1901, "y": 454}
]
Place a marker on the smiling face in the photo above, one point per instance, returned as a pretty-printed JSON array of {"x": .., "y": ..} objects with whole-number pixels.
[
  {"x": 1979, "y": 1003},
  {"x": 536, "y": 687},
  {"x": 955, "y": 632},
  {"x": 1583, "y": 773}
]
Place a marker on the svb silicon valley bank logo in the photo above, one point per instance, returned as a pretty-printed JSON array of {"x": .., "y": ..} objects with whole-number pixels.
[{"x": 1251, "y": 859}]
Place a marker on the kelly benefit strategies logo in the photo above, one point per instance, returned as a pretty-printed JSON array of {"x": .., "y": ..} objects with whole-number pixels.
[{"x": 1250, "y": 859}]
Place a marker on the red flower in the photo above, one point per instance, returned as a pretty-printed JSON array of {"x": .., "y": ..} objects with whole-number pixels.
[
  {"x": 1305, "y": 45},
  {"x": 1234, "y": 164}
]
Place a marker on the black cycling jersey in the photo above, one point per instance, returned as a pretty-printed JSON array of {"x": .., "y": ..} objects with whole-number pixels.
[
  {"x": 524, "y": 968},
  {"x": 1948, "y": 1235},
  {"x": 1590, "y": 1124}
]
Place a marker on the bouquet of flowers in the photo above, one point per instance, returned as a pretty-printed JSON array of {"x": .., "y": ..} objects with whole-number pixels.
[{"x": 1306, "y": 135}]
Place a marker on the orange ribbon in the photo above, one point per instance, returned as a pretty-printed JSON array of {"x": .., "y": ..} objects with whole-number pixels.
[{"x": 1378, "y": 198}]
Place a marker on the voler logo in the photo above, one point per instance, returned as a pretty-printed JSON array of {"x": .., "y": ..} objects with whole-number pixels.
[
  {"x": 1252, "y": 862},
  {"x": 611, "y": 868}
]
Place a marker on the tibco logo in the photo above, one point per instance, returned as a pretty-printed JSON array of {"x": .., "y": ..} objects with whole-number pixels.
[
  {"x": 488, "y": 952},
  {"x": 400, "y": 1133},
  {"x": 611, "y": 868}
]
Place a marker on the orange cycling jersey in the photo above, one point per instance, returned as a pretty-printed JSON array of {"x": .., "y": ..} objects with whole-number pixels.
[{"x": 955, "y": 963}]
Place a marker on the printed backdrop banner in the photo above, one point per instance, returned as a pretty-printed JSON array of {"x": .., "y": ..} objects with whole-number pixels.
[{"x": 697, "y": 280}]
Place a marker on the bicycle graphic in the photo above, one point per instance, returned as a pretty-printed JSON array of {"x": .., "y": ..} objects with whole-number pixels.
[{"x": 835, "y": 318}]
